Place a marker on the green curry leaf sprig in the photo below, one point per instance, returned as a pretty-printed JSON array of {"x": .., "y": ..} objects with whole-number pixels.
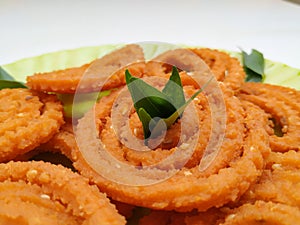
[
  {"x": 156, "y": 109},
  {"x": 7, "y": 81},
  {"x": 254, "y": 64}
]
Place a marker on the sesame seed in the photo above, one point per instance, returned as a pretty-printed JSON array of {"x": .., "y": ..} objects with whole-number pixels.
[
  {"x": 276, "y": 166},
  {"x": 187, "y": 173},
  {"x": 45, "y": 196},
  {"x": 231, "y": 216}
]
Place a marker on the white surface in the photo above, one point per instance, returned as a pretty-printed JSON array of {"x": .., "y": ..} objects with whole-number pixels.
[{"x": 33, "y": 27}]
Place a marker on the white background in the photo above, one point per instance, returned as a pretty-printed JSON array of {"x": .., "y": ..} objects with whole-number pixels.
[{"x": 33, "y": 27}]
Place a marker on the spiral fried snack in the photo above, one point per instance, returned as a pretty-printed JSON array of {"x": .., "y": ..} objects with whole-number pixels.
[
  {"x": 235, "y": 168},
  {"x": 43, "y": 193},
  {"x": 259, "y": 212},
  {"x": 283, "y": 106},
  {"x": 230, "y": 154},
  {"x": 27, "y": 119},
  {"x": 225, "y": 68},
  {"x": 64, "y": 143},
  {"x": 96, "y": 74},
  {"x": 263, "y": 213},
  {"x": 280, "y": 181},
  {"x": 271, "y": 200}
]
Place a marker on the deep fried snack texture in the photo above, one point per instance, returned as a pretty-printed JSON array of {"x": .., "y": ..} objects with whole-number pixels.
[
  {"x": 283, "y": 106},
  {"x": 63, "y": 142},
  {"x": 263, "y": 213},
  {"x": 43, "y": 193},
  {"x": 230, "y": 149},
  {"x": 104, "y": 73},
  {"x": 225, "y": 68},
  {"x": 188, "y": 189},
  {"x": 212, "y": 216},
  {"x": 280, "y": 181},
  {"x": 27, "y": 119}
]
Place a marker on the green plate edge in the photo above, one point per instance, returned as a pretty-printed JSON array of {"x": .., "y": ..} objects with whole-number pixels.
[{"x": 275, "y": 72}]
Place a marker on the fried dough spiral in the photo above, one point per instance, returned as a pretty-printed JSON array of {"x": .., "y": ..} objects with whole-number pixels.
[
  {"x": 263, "y": 213},
  {"x": 188, "y": 188},
  {"x": 231, "y": 157},
  {"x": 225, "y": 68},
  {"x": 27, "y": 119},
  {"x": 91, "y": 77},
  {"x": 43, "y": 193},
  {"x": 283, "y": 106}
]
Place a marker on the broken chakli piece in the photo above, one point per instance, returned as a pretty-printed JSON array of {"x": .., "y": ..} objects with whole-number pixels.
[
  {"x": 28, "y": 119},
  {"x": 179, "y": 139},
  {"x": 43, "y": 193}
]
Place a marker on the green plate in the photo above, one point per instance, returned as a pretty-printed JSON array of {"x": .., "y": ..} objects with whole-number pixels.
[{"x": 275, "y": 72}]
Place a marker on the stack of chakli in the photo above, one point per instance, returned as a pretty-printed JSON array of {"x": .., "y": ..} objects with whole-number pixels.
[{"x": 231, "y": 158}]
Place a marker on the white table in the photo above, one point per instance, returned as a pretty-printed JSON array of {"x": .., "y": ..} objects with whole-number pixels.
[{"x": 33, "y": 27}]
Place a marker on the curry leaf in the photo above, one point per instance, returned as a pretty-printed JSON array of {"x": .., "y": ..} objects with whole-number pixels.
[
  {"x": 158, "y": 110},
  {"x": 173, "y": 89},
  {"x": 4, "y": 75},
  {"x": 156, "y": 103},
  {"x": 7, "y": 81},
  {"x": 145, "y": 119},
  {"x": 254, "y": 65},
  {"x": 155, "y": 126},
  {"x": 11, "y": 84},
  {"x": 252, "y": 76},
  {"x": 172, "y": 118}
]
